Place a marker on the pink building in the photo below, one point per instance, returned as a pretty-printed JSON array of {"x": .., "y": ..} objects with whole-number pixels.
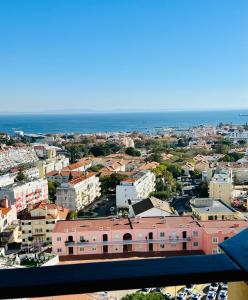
[
  {"x": 23, "y": 194},
  {"x": 141, "y": 236}
]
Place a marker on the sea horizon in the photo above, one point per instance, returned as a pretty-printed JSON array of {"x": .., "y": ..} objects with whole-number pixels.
[{"x": 116, "y": 122}]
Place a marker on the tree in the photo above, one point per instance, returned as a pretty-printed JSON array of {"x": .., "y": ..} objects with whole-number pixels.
[
  {"x": 96, "y": 168},
  {"x": 132, "y": 152},
  {"x": 74, "y": 153},
  {"x": 175, "y": 170},
  {"x": 109, "y": 183},
  {"x": 73, "y": 215},
  {"x": 202, "y": 190},
  {"x": 155, "y": 157},
  {"x": 52, "y": 186},
  {"x": 142, "y": 296},
  {"x": 20, "y": 176}
]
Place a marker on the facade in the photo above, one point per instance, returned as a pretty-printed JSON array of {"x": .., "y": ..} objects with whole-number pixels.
[
  {"x": 38, "y": 221},
  {"x": 145, "y": 236},
  {"x": 23, "y": 194},
  {"x": 137, "y": 186},
  {"x": 8, "y": 214},
  {"x": 205, "y": 209},
  {"x": 52, "y": 164},
  {"x": 221, "y": 185},
  {"x": 78, "y": 192}
]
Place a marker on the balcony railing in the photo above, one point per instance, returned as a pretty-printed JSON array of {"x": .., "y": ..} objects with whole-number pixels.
[
  {"x": 133, "y": 242},
  {"x": 69, "y": 243},
  {"x": 129, "y": 274}
]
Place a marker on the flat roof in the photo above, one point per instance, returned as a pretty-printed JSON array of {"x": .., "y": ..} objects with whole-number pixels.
[
  {"x": 217, "y": 207},
  {"x": 124, "y": 223}
]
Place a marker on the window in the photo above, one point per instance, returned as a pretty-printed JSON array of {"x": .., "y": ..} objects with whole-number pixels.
[
  {"x": 162, "y": 246},
  {"x": 195, "y": 244},
  {"x": 93, "y": 248},
  {"x": 81, "y": 248},
  {"x": 215, "y": 240},
  {"x": 58, "y": 238},
  {"x": 195, "y": 233},
  {"x": 162, "y": 234},
  {"x": 59, "y": 250},
  {"x": 215, "y": 251}
]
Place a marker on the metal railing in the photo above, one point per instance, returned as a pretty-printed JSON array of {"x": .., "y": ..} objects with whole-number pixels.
[{"x": 129, "y": 274}]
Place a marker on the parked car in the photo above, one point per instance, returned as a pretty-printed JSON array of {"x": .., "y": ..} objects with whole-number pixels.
[
  {"x": 168, "y": 296},
  {"x": 196, "y": 296},
  {"x": 189, "y": 288},
  {"x": 211, "y": 295},
  {"x": 158, "y": 289},
  {"x": 214, "y": 286},
  {"x": 145, "y": 290},
  {"x": 222, "y": 295},
  {"x": 224, "y": 286},
  {"x": 181, "y": 296}
]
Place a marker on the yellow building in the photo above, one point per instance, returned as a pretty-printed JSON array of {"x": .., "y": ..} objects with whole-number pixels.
[
  {"x": 205, "y": 209},
  {"x": 38, "y": 221},
  {"x": 221, "y": 185}
]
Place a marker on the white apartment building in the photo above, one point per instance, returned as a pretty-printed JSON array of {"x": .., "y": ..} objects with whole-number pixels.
[
  {"x": 8, "y": 214},
  {"x": 138, "y": 186},
  {"x": 38, "y": 221},
  {"x": 22, "y": 194},
  {"x": 237, "y": 135},
  {"x": 79, "y": 192},
  {"x": 221, "y": 185},
  {"x": 6, "y": 180}
]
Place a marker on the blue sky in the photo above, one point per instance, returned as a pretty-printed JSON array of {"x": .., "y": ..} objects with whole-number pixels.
[{"x": 123, "y": 55}]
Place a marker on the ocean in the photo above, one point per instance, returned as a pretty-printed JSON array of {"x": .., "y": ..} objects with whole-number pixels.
[{"x": 116, "y": 122}]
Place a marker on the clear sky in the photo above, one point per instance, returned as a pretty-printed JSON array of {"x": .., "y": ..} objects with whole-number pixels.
[{"x": 123, "y": 55}]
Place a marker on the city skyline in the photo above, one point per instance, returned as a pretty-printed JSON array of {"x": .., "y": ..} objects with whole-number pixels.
[{"x": 120, "y": 56}]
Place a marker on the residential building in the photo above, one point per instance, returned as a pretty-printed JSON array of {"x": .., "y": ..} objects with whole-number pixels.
[
  {"x": 38, "y": 221},
  {"x": 11, "y": 157},
  {"x": 63, "y": 176},
  {"x": 79, "y": 192},
  {"x": 8, "y": 214},
  {"x": 6, "y": 180},
  {"x": 82, "y": 165},
  {"x": 23, "y": 194},
  {"x": 137, "y": 186},
  {"x": 209, "y": 209},
  {"x": 221, "y": 185},
  {"x": 155, "y": 236},
  {"x": 53, "y": 164},
  {"x": 150, "y": 207},
  {"x": 188, "y": 168},
  {"x": 45, "y": 151}
]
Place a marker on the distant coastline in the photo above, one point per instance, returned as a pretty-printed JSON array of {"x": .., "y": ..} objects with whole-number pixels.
[{"x": 116, "y": 122}]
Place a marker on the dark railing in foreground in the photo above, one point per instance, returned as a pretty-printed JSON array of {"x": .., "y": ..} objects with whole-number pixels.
[{"x": 129, "y": 274}]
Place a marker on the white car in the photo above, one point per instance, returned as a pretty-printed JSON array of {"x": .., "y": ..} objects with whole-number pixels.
[
  {"x": 224, "y": 286},
  {"x": 181, "y": 296},
  {"x": 146, "y": 290},
  {"x": 211, "y": 295},
  {"x": 196, "y": 296},
  {"x": 214, "y": 286},
  {"x": 168, "y": 296},
  {"x": 222, "y": 295}
]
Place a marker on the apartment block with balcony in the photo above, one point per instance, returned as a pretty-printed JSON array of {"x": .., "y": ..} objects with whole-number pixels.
[
  {"x": 136, "y": 187},
  {"x": 38, "y": 221},
  {"x": 154, "y": 236},
  {"x": 79, "y": 192},
  {"x": 23, "y": 194}
]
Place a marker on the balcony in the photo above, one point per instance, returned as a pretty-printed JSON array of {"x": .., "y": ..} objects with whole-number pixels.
[
  {"x": 231, "y": 266},
  {"x": 69, "y": 243}
]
